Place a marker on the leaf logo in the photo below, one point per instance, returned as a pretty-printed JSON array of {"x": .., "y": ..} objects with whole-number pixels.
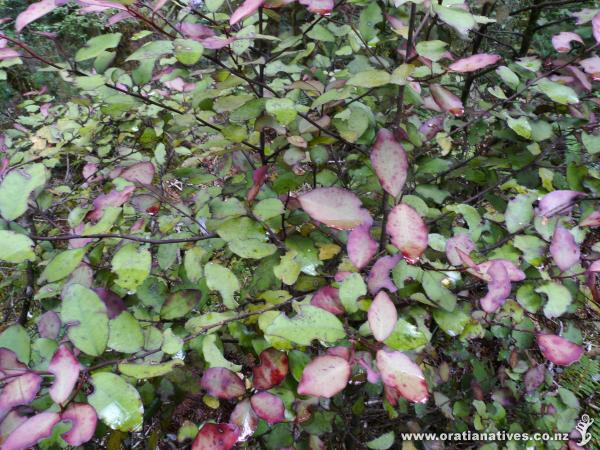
[{"x": 582, "y": 427}]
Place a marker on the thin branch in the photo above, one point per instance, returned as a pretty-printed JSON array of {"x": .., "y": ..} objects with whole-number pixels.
[{"x": 68, "y": 237}]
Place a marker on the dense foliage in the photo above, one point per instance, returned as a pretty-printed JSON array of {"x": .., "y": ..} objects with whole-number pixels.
[{"x": 278, "y": 224}]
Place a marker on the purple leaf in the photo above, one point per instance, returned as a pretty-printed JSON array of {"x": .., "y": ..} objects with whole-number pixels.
[
  {"x": 142, "y": 173},
  {"x": 534, "y": 377},
  {"x": 365, "y": 360},
  {"x": 461, "y": 242},
  {"x": 379, "y": 276},
  {"x": 559, "y": 350},
  {"x": 318, "y": 6},
  {"x": 216, "y": 436},
  {"x": 34, "y": 12},
  {"x": 562, "y": 41},
  {"x": 258, "y": 179},
  {"x": 514, "y": 273},
  {"x": 361, "y": 246},
  {"x": 9, "y": 424},
  {"x": 591, "y": 66},
  {"x": 113, "y": 198},
  {"x": 10, "y": 366},
  {"x": 563, "y": 248},
  {"x": 432, "y": 126},
  {"x": 20, "y": 391},
  {"x": 581, "y": 77},
  {"x": 593, "y": 220},
  {"x": 222, "y": 383},
  {"x": 272, "y": 370},
  {"x": 328, "y": 298},
  {"x": 114, "y": 303},
  {"x": 499, "y": 287},
  {"x": 268, "y": 407},
  {"x": 83, "y": 418},
  {"x": 595, "y": 266},
  {"x": 195, "y": 30},
  {"x": 244, "y": 417},
  {"x": 324, "y": 376},
  {"x": 8, "y": 53},
  {"x": 49, "y": 325},
  {"x": 407, "y": 231},
  {"x": 390, "y": 162},
  {"x": 446, "y": 100},
  {"x": 215, "y": 43},
  {"x": 335, "y": 207},
  {"x": 557, "y": 202},
  {"x": 31, "y": 431},
  {"x": 382, "y": 316},
  {"x": 474, "y": 62},
  {"x": 596, "y": 27},
  {"x": 247, "y": 8},
  {"x": 65, "y": 368},
  {"x": 402, "y": 375}
]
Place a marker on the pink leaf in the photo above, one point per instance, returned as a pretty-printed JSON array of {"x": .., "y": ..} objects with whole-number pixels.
[
  {"x": 9, "y": 424},
  {"x": 581, "y": 77},
  {"x": 562, "y": 41},
  {"x": 247, "y": 8},
  {"x": 558, "y": 349},
  {"x": 446, "y": 100},
  {"x": 65, "y": 368},
  {"x": 83, "y": 418},
  {"x": 268, "y": 407},
  {"x": 361, "y": 246},
  {"x": 20, "y": 391},
  {"x": 432, "y": 126},
  {"x": 593, "y": 220},
  {"x": 335, "y": 207},
  {"x": 49, "y": 325},
  {"x": 216, "y": 436},
  {"x": 244, "y": 417},
  {"x": 10, "y": 366},
  {"x": 595, "y": 266},
  {"x": 318, "y": 6},
  {"x": 340, "y": 351},
  {"x": 32, "y": 431},
  {"x": 563, "y": 248},
  {"x": 474, "y": 62},
  {"x": 141, "y": 172},
  {"x": 382, "y": 316},
  {"x": 113, "y": 198},
  {"x": 514, "y": 273},
  {"x": 557, "y": 202},
  {"x": 195, "y": 30},
  {"x": 379, "y": 276},
  {"x": 158, "y": 5},
  {"x": 591, "y": 66},
  {"x": 499, "y": 288},
  {"x": 324, "y": 376},
  {"x": 100, "y": 5},
  {"x": 118, "y": 17},
  {"x": 460, "y": 242},
  {"x": 8, "y": 53},
  {"x": 222, "y": 383},
  {"x": 272, "y": 370},
  {"x": 114, "y": 303},
  {"x": 596, "y": 27},
  {"x": 407, "y": 231},
  {"x": 534, "y": 377},
  {"x": 328, "y": 298},
  {"x": 258, "y": 179},
  {"x": 215, "y": 43},
  {"x": 390, "y": 162},
  {"x": 401, "y": 374},
  {"x": 34, "y": 12},
  {"x": 365, "y": 360}
]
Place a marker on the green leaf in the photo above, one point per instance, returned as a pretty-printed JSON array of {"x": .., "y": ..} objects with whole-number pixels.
[
  {"x": 459, "y": 19},
  {"x": 15, "y": 247},
  {"x": 558, "y": 92},
  {"x": 132, "y": 265},
  {"x": 15, "y": 338},
  {"x": 151, "y": 50},
  {"x": 172, "y": 344},
  {"x": 433, "y": 50},
  {"x": 62, "y": 265},
  {"x": 180, "y": 303},
  {"x": 213, "y": 355},
  {"x": 193, "y": 262},
  {"x": 188, "y": 51},
  {"x": 590, "y": 142},
  {"x": 117, "y": 403},
  {"x": 453, "y": 323},
  {"x": 97, "y": 45},
  {"x": 406, "y": 336},
  {"x": 436, "y": 291},
  {"x": 383, "y": 442},
  {"x": 351, "y": 289},
  {"x": 520, "y": 126},
  {"x": 224, "y": 281},
  {"x": 528, "y": 298},
  {"x": 370, "y": 79},
  {"x": 519, "y": 212},
  {"x": 125, "y": 334},
  {"x": 17, "y": 186},
  {"x": 197, "y": 324},
  {"x": 309, "y": 324},
  {"x": 282, "y": 108},
  {"x": 252, "y": 248},
  {"x": 143, "y": 371},
  {"x": 533, "y": 248},
  {"x": 508, "y": 76},
  {"x": 369, "y": 18},
  {"x": 268, "y": 208},
  {"x": 559, "y": 298},
  {"x": 288, "y": 268},
  {"x": 86, "y": 314}
]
